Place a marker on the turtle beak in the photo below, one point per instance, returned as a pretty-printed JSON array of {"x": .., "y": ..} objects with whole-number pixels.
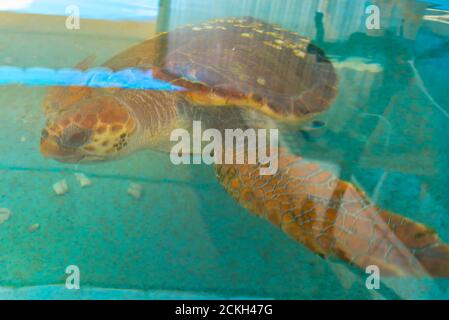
[{"x": 49, "y": 148}]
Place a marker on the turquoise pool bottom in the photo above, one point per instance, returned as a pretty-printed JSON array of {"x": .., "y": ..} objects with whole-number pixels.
[
  {"x": 56, "y": 292},
  {"x": 413, "y": 289},
  {"x": 59, "y": 292}
]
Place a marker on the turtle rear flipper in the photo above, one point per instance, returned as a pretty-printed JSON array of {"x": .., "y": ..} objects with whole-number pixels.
[{"x": 334, "y": 218}]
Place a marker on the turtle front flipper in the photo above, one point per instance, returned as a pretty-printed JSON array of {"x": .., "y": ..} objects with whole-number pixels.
[{"x": 333, "y": 217}]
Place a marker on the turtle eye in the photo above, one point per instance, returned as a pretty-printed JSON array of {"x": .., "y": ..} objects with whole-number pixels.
[{"x": 74, "y": 137}]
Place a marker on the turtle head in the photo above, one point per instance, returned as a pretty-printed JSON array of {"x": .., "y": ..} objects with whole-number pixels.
[{"x": 92, "y": 129}]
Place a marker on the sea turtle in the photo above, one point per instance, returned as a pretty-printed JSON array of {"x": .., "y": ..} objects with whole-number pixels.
[{"x": 243, "y": 72}]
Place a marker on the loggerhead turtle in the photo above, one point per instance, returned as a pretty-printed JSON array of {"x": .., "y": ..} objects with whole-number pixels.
[{"x": 243, "y": 72}]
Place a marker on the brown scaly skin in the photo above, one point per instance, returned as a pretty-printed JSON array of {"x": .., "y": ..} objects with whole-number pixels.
[
  {"x": 334, "y": 218},
  {"x": 329, "y": 216}
]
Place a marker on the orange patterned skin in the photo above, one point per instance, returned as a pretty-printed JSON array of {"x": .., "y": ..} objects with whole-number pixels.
[
  {"x": 83, "y": 126},
  {"x": 334, "y": 218}
]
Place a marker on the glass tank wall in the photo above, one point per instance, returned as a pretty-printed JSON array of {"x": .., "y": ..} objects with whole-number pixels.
[{"x": 142, "y": 227}]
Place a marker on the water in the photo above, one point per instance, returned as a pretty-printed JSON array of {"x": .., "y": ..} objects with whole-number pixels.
[{"x": 185, "y": 237}]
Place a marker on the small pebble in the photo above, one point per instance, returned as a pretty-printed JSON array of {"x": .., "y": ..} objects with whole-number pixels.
[
  {"x": 34, "y": 227},
  {"x": 5, "y": 214},
  {"x": 83, "y": 180},
  {"x": 61, "y": 187},
  {"x": 135, "y": 190}
]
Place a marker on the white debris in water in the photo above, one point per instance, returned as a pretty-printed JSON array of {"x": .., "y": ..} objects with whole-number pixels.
[
  {"x": 135, "y": 190},
  {"x": 61, "y": 187},
  {"x": 34, "y": 227},
  {"x": 5, "y": 214},
  {"x": 358, "y": 64},
  {"x": 83, "y": 180},
  {"x": 23, "y": 139}
]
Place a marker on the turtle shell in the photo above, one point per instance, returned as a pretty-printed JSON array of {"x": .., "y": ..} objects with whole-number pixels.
[{"x": 240, "y": 62}]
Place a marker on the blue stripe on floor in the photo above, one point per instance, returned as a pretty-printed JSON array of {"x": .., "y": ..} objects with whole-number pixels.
[{"x": 131, "y": 78}]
